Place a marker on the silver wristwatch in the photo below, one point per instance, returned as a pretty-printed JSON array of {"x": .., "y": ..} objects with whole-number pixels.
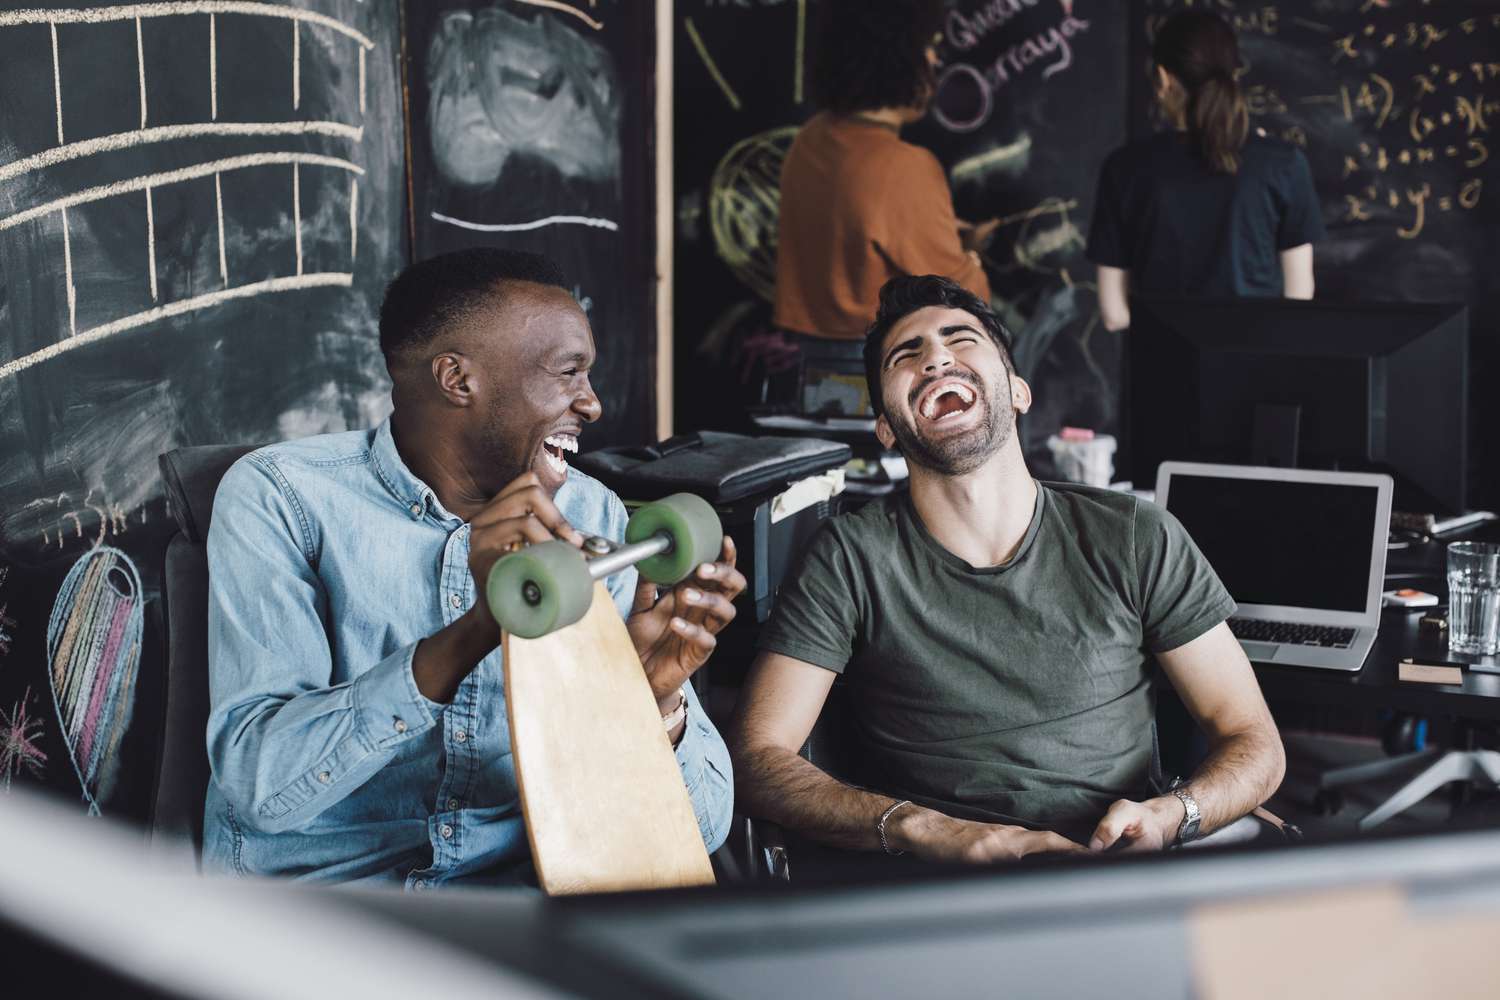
[{"x": 1188, "y": 829}]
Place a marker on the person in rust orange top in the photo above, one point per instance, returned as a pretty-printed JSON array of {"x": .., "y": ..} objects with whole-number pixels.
[{"x": 858, "y": 205}]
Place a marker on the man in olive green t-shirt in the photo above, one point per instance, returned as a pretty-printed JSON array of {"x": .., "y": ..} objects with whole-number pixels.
[{"x": 994, "y": 634}]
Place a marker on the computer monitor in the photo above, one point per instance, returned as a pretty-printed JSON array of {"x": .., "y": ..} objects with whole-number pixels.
[{"x": 1373, "y": 387}]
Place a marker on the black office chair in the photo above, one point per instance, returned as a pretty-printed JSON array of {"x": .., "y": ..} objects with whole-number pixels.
[
  {"x": 765, "y": 850},
  {"x": 191, "y": 477}
]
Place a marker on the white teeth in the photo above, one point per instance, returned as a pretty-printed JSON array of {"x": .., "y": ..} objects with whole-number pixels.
[
  {"x": 556, "y": 464},
  {"x": 959, "y": 389},
  {"x": 563, "y": 443}
]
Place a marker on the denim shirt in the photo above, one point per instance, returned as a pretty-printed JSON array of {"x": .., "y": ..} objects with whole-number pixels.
[{"x": 328, "y": 562}]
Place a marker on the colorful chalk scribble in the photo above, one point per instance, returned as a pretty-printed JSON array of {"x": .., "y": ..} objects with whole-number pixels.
[
  {"x": 94, "y": 647},
  {"x": 20, "y": 742}
]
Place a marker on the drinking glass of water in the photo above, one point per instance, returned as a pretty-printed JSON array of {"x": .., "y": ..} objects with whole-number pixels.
[{"x": 1474, "y": 597}]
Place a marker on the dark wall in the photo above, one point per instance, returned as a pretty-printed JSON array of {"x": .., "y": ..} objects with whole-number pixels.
[
  {"x": 1394, "y": 107},
  {"x": 533, "y": 128},
  {"x": 247, "y": 334}
]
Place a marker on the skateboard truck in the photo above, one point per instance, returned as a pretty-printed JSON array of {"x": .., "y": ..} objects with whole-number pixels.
[{"x": 548, "y": 586}]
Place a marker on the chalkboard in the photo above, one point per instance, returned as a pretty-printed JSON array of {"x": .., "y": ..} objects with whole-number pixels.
[
  {"x": 1030, "y": 100},
  {"x": 200, "y": 203},
  {"x": 1396, "y": 104},
  {"x": 531, "y": 126}
]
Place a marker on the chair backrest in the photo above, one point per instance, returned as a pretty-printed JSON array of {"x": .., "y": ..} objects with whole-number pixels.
[{"x": 191, "y": 477}]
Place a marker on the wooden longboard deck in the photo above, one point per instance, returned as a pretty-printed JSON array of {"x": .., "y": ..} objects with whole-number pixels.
[{"x": 606, "y": 809}]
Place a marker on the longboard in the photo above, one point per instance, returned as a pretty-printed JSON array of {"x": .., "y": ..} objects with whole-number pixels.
[{"x": 605, "y": 806}]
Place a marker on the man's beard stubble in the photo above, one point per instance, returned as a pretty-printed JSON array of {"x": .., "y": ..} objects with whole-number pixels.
[{"x": 960, "y": 454}]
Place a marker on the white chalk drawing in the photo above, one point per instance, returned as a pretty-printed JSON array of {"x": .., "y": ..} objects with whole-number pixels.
[
  {"x": 519, "y": 227},
  {"x": 744, "y": 207},
  {"x": 179, "y": 308},
  {"x": 170, "y": 133},
  {"x": 502, "y": 86},
  {"x": 1010, "y": 159},
  {"x": 146, "y": 135}
]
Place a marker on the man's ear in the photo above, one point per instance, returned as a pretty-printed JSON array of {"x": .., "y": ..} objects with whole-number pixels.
[
  {"x": 1020, "y": 393},
  {"x": 883, "y": 433},
  {"x": 455, "y": 378}
]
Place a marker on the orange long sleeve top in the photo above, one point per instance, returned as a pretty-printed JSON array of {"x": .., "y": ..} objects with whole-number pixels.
[{"x": 858, "y": 207}]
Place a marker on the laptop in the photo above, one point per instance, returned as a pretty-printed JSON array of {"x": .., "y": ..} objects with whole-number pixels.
[{"x": 1301, "y": 551}]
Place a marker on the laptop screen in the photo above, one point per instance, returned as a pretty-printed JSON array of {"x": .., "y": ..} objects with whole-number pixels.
[{"x": 1302, "y": 545}]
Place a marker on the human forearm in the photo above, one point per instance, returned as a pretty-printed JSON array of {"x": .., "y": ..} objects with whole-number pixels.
[
  {"x": 779, "y": 785},
  {"x": 1242, "y": 771},
  {"x": 282, "y": 756}
]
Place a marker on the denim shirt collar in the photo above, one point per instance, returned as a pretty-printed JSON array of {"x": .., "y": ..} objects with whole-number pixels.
[{"x": 410, "y": 492}]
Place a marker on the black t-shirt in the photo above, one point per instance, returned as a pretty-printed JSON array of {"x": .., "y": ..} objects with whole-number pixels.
[{"x": 1182, "y": 229}]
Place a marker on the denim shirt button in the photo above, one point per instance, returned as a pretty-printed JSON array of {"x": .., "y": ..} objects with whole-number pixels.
[
  {"x": 416, "y": 510},
  {"x": 324, "y": 777},
  {"x": 452, "y": 803},
  {"x": 455, "y": 602},
  {"x": 419, "y": 885},
  {"x": 446, "y": 831},
  {"x": 400, "y": 725},
  {"x": 461, "y": 736}
]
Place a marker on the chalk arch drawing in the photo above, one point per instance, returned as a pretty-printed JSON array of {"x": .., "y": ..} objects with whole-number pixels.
[
  {"x": 744, "y": 207},
  {"x": 502, "y": 85}
]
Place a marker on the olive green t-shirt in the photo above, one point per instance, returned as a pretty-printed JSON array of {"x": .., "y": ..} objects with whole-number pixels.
[{"x": 1017, "y": 693}]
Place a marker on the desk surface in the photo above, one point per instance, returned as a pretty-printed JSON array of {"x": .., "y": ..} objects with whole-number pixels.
[{"x": 1377, "y": 685}]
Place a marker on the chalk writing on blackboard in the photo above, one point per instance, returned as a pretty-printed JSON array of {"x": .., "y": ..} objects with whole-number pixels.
[
  {"x": 501, "y": 86},
  {"x": 145, "y": 184},
  {"x": 965, "y": 96}
]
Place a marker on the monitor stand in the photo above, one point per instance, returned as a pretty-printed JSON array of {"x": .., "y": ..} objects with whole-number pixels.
[{"x": 1273, "y": 439}]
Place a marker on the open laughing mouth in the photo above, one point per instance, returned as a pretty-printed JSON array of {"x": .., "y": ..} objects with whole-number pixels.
[
  {"x": 554, "y": 449},
  {"x": 946, "y": 401}
]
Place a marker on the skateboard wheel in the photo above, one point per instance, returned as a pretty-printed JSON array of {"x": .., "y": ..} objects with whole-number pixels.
[
  {"x": 694, "y": 528},
  {"x": 539, "y": 589}
]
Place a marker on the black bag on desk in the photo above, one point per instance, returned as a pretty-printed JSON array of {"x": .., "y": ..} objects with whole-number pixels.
[
  {"x": 721, "y": 468},
  {"x": 740, "y": 476}
]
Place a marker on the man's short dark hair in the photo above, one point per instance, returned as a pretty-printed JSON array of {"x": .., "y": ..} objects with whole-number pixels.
[
  {"x": 904, "y": 295},
  {"x": 432, "y": 295},
  {"x": 869, "y": 55}
]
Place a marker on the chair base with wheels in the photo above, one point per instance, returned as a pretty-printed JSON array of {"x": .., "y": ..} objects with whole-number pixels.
[{"x": 1473, "y": 768}]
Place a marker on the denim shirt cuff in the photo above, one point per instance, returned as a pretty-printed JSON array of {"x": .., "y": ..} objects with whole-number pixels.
[{"x": 390, "y": 708}]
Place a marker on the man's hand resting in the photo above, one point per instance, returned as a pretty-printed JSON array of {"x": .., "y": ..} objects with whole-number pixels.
[
  {"x": 1139, "y": 826},
  {"x": 935, "y": 837}
]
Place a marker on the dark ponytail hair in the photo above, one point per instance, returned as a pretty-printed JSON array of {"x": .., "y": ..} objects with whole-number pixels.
[{"x": 1199, "y": 49}]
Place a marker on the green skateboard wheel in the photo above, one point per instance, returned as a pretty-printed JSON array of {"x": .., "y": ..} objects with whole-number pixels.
[
  {"x": 539, "y": 589},
  {"x": 691, "y": 523}
]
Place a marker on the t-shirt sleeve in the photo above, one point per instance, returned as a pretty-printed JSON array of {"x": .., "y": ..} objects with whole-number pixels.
[
  {"x": 920, "y": 235},
  {"x": 1107, "y": 230},
  {"x": 816, "y": 615},
  {"x": 1179, "y": 596},
  {"x": 1302, "y": 222}
]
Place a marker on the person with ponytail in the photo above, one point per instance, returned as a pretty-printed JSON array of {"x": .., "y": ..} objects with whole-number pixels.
[{"x": 1211, "y": 207}]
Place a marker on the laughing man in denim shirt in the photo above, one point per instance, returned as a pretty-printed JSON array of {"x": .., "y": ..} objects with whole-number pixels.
[{"x": 358, "y": 730}]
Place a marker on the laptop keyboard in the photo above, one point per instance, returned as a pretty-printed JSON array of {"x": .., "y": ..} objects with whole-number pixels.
[{"x": 1293, "y": 633}]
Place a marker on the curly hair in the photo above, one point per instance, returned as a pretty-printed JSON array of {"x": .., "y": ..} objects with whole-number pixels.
[{"x": 870, "y": 54}]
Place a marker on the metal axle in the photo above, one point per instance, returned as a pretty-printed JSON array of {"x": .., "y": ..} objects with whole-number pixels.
[{"x": 613, "y": 559}]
